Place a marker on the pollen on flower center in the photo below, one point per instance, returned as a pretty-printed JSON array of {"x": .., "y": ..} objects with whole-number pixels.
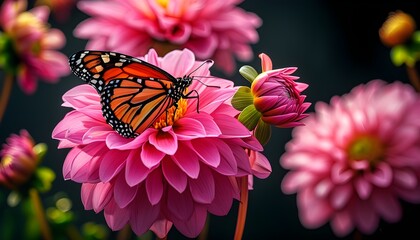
[
  {"x": 171, "y": 115},
  {"x": 366, "y": 148},
  {"x": 163, "y": 3}
]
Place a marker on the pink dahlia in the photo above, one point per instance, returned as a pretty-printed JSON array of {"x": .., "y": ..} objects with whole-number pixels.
[
  {"x": 18, "y": 160},
  {"x": 174, "y": 172},
  {"x": 216, "y": 29},
  {"x": 356, "y": 157},
  {"x": 29, "y": 47}
]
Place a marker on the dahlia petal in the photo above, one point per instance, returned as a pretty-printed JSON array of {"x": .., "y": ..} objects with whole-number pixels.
[
  {"x": 68, "y": 162},
  {"x": 266, "y": 63},
  {"x": 95, "y": 134},
  {"x": 116, "y": 141},
  {"x": 175, "y": 176},
  {"x": 135, "y": 171},
  {"x": 405, "y": 178},
  {"x": 363, "y": 187},
  {"x": 112, "y": 163},
  {"x": 101, "y": 195},
  {"x": 313, "y": 212},
  {"x": 86, "y": 193},
  {"x": 382, "y": 176},
  {"x": 366, "y": 220},
  {"x": 230, "y": 127},
  {"x": 243, "y": 161},
  {"x": 296, "y": 181},
  {"x": 228, "y": 166},
  {"x": 341, "y": 195},
  {"x": 409, "y": 195},
  {"x": 123, "y": 193},
  {"x": 340, "y": 174},
  {"x": 181, "y": 205},
  {"x": 154, "y": 187},
  {"x": 150, "y": 156},
  {"x": 210, "y": 126},
  {"x": 203, "y": 188},
  {"x": 187, "y": 161},
  {"x": 387, "y": 205},
  {"x": 323, "y": 188},
  {"x": 189, "y": 128},
  {"x": 116, "y": 217},
  {"x": 205, "y": 150},
  {"x": 161, "y": 227},
  {"x": 143, "y": 215},
  {"x": 261, "y": 167},
  {"x": 342, "y": 223},
  {"x": 85, "y": 165},
  {"x": 164, "y": 141},
  {"x": 178, "y": 63},
  {"x": 194, "y": 225},
  {"x": 223, "y": 197}
]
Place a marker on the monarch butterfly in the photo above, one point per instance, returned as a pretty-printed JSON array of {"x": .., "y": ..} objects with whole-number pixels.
[{"x": 133, "y": 93}]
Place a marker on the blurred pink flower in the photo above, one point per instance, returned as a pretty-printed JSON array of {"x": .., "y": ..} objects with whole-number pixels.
[
  {"x": 277, "y": 95},
  {"x": 216, "y": 29},
  {"x": 32, "y": 53},
  {"x": 61, "y": 9},
  {"x": 356, "y": 158},
  {"x": 18, "y": 160},
  {"x": 169, "y": 174}
]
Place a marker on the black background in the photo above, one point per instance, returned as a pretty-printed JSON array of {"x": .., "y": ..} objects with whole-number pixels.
[{"x": 335, "y": 46}]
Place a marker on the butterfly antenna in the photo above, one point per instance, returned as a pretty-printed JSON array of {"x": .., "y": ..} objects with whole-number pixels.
[{"x": 208, "y": 61}]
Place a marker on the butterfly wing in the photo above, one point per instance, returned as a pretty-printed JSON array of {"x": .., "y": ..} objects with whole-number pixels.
[
  {"x": 132, "y": 106},
  {"x": 133, "y": 92},
  {"x": 98, "y": 68}
]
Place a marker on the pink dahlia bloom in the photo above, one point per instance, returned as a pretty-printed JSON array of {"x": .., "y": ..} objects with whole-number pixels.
[
  {"x": 216, "y": 29},
  {"x": 356, "y": 158},
  {"x": 18, "y": 160},
  {"x": 61, "y": 9},
  {"x": 33, "y": 45},
  {"x": 171, "y": 174},
  {"x": 277, "y": 95}
]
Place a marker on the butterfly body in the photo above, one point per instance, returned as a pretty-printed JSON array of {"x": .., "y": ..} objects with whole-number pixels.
[{"x": 133, "y": 93}]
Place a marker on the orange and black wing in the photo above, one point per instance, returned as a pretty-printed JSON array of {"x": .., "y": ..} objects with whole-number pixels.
[
  {"x": 131, "y": 106},
  {"x": 98, "y": 68},
  {"x": 134, "y": 93}
]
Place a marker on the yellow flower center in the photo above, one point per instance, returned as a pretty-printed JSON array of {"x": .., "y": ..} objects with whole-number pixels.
[
  {"x": 163, "y": 3},
  {"x": 6, "y": 161},
  {"x": 397, "y": 29},
  {"x": 171, "y": 115},
  {"x": 368, "y": 148}
]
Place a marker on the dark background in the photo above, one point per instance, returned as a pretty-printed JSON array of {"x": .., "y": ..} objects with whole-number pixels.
[{"x": 335, "y": 46}]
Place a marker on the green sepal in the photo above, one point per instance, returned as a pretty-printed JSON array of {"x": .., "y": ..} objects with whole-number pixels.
[
  {"x": 40, "y": 150},
  {"x": 248, "y": 72},
  {"x": 43, "y": 179},
  {"x": 263, "y": 132},
  {"x": 242, "y": 98},
  {"x": 249, "y": 117}
]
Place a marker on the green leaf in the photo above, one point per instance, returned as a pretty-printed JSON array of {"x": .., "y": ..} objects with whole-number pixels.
[
  {"x": 249, "y": 117},
  {"x": 416, "y": 37},
  {"x": 399, "y": 55},
  {"x": 248, "y": 72},
  {"x": 263, "y": 132},
  {"x": 242, "y": 98}
]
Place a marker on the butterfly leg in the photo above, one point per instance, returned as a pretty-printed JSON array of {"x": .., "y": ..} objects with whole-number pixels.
[{"x": 188, "y": 96}]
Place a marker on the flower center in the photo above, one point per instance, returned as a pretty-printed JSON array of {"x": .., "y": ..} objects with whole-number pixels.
[
  {"x": 171, "y": 115},
  {"x": 163, "y": 3},
  {"x": 6, "y": 161},
  {"x": 366, "y": 148}
]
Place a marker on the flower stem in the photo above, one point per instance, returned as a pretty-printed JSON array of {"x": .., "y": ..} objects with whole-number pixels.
[
  {"x": 40, "y": 214},
  {"x": 414, "y": 77},
  {"x": 204, "y": 233},
  {"x": 5, "y": 94},
  {"x": 243, "y": 206},
  {"x": 124, "y": 233}
]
